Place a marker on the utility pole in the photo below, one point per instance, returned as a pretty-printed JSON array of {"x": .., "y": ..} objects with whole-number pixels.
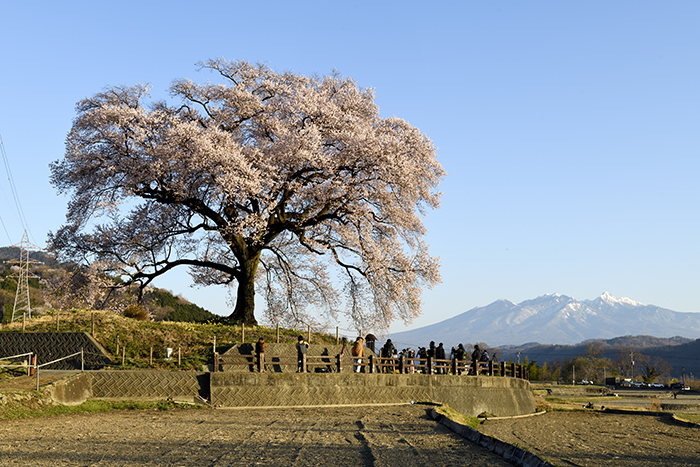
[
  {"x": 632, "y": 360},
  {"x": 22, "y": 303}
]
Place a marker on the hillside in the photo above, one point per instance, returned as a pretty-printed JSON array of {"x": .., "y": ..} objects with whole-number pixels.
[
  {"x": 681, "y": 354},
  {"x": 49, "y": 280},
  {"x": 195, "y": 341}
]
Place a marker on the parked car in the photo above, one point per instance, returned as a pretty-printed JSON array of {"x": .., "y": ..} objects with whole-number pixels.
[
  {"x": 680, "y": 386},
  {"x": 656, "y": 385},
  {"x": 638, "y": 384}
]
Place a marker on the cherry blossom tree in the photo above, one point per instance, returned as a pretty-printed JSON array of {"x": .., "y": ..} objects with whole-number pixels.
[{"x": 264, "y": 177}]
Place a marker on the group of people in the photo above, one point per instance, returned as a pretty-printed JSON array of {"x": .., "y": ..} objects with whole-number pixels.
[{"x": 413, "y": 358}]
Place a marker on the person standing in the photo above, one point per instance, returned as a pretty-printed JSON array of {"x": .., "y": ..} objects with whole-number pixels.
[
  {"x": 476, "y": 358},
  {"x": 440, "y": 356},
  {"x": 388, "y": 354},
  {"x": 431, "y": 357},
  {"x": 302, "y": 348},
  {"x": 411, "y": 355},
  {"x": 460, "y": 355},
  {"x": 260, "y": 347},
  {"x": 476, "y": 354},
  {"x": 357, "y": 351}
]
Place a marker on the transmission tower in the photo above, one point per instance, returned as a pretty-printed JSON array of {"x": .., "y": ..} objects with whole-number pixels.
[{"x": 22, "y": 303}]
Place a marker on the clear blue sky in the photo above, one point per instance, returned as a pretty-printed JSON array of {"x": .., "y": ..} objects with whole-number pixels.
[{"x": 569, "y": 130}]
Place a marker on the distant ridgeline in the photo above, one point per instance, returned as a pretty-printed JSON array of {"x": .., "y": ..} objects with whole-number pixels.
[
  {"x": 179, "y": 309},
  {"x": 162, "y": 304},
  {"x": 10, "y": 254}
]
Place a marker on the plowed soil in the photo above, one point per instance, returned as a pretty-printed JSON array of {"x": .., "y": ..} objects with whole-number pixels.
[
  {"x": 595, "y": 438},
  {"x": 399, "y": 436}
]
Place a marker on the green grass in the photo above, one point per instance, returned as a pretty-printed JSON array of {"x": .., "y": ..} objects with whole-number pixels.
[
  {"x": 458, "y": 417},
  {"x": 695, "y": 418}
]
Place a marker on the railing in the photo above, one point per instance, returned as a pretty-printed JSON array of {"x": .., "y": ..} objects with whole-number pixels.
[
  {"x": 27, "y": 365},
  {"x": 372, "y": 364},
  {"x": 37, "y": 366}
]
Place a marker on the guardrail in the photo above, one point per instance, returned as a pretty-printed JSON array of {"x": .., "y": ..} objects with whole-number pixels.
[
  {"x": 28, "y": 365},
  {"x": 372, "y": 364},
  {"x": 37, "y": 366}
]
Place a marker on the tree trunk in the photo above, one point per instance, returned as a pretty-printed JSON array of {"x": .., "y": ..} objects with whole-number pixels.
[{"x": 244, "y": 312}]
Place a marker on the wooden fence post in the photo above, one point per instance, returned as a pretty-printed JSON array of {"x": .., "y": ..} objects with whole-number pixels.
[
  {"x": 216, "y": 363},
  {"x": 490, "y": 367},
  {"x": 308, "y": 338},
  {"x": 215, "y": 343},
  {"x": 371, "y": 363},
  {"x": 512, "y": 370},
  {"x": 117, "y": 351},
  {"x": 278, "y": 332},
  {"x": 454, "y": 366},
  {"x": 337, "y": 335},
  {"x": 303, "y": 363},
  {"x": 503, "y": 368},
  {"x": 150, "y": 359},
  {"x": 430, "y": 365},
  {"x": 123, "y": 354},
  {"x": 338, "y": 360},
  {"x": 261, "y": 362},
  {"x": 178, "y": 357}
]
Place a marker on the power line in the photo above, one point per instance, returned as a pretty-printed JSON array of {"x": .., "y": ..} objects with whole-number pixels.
[{"x": 13, "y": 189}]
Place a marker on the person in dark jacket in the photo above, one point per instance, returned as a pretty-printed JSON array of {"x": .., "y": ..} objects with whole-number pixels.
[
  {"x": 460, "y": 355},
  {"x": 388, "y": 352},
  {"x": 260, "y": 346},
  {"x": 431, "y": 355},
  {"x": 302, "y": 348},
  {"x": 476, "y": 354},
  {"x": 440, "y": 355}
]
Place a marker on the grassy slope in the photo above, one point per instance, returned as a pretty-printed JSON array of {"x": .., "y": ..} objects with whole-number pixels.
[{"x": 195, "y": 341}]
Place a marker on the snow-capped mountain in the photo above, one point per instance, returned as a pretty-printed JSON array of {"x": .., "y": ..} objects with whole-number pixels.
[{"x": 554, "y": 319}]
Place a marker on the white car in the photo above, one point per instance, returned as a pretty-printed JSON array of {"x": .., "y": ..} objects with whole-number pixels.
[{"x": 656, "y": 385}]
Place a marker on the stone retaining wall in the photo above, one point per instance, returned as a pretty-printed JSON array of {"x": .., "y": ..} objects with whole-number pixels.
[
  {"x": 186, "y": 386},
  {"x": 470, "y": 395},
  {"x": 49, "y": 346}
]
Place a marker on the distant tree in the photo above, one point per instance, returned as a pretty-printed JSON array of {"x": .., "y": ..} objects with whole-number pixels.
[
  {"x": 652, "y": 368},
  {"x": 599, "y": 364},
  {"x": 271, "y": 177}
]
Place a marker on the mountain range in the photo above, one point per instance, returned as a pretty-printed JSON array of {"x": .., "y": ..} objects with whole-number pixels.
[{"x": 553, "y": 319}]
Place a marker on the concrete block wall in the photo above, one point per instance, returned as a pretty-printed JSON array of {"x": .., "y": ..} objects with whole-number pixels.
[{"x": 470, "y": 395}]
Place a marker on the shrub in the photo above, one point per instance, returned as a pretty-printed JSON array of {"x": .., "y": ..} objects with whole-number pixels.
[{"x": 136, "y": 312}]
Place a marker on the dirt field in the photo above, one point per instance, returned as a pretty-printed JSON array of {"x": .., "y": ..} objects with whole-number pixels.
[
  {"x": 398, "y": 436},
  {"x": 592, "y": 438}
]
